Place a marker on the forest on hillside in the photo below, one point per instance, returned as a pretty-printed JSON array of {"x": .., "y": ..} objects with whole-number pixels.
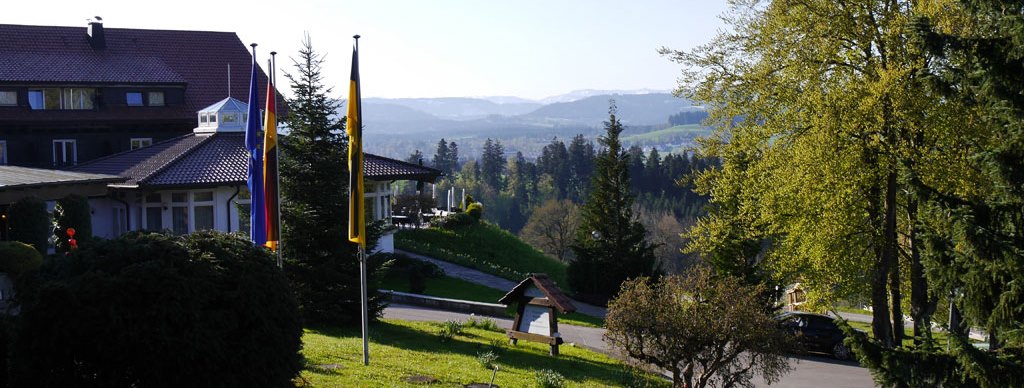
[{"x": 515, "y": 189}]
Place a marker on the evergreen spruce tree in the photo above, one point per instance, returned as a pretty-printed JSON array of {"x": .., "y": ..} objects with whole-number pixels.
[
  {"x": 319, "y": 261},
  {"x": 492, "y": 164},
  {"x": 581, "y": 165},
  {"x": 610, "y": 245},
  {"x": 453, "y": 157},
  {"x": 441, "y": 157}
]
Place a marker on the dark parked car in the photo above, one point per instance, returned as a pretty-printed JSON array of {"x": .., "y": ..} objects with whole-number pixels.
[{"x": 815, "y": 333}]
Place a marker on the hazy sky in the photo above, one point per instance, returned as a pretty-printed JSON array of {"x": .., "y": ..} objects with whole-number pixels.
[{"x": 437, "y": 48}]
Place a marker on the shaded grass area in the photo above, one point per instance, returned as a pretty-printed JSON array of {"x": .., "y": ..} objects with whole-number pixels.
[
  {"x": 400, "y": 349},
  {"x": 453, "y": 288},
  {"x": 484, "y": 247},
  {"x": 941, "y": 337}
]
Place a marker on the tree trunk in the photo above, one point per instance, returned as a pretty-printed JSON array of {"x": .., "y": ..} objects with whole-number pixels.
[
  {"x": 956, "y": 323},
  {"x": 891, "y": 255},
  {"x": 921, "y": 306},
  {"x": 881, "y": 324},
  {"x": 677, "y": 381},
  {"x": 688, "y": 375}
]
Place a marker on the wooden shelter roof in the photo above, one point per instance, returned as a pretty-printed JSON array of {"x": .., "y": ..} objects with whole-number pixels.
[{"x": 546, "y": 286}]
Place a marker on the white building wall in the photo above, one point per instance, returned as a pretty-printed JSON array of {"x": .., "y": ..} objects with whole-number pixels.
[
  {"x": 160, "y": 209},
  {"x": 109, "y": 215}
]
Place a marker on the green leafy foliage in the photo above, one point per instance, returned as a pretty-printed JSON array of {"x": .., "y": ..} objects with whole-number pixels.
[
  {"x": 487, "y": 359},
  {"x": 475, "y": 210},
  {"x": 448, "y": 330},
  {"x": 706, "y": 330},
  {"x": 934, "y": 367},
  {"x": 72, "y": 211},
  {"x": 142, "y": 309},
  {"x": 17, "y": 258},
  {"x": 454, "y": 221},
  {"x": 28, "y": 222},
  {"x": 547, "y": 378}
]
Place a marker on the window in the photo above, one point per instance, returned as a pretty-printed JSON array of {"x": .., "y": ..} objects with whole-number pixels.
[
  {"x": 67, "y": 98},
  {"x": 230, "y": 118},
  {"x": 202, "y": 209},
  {"x": 179, "y": 213},
  {"x": 79, "y": 98},
  {"x": 117, "y": 224},
  {"x": 139, "y": 142},
  {"x": 65, "y": 153},
  {"x": 3, "y": 152},
  {"x": 156, "y": 98},
  {"x": 8, "y": 98},
  {"x": 133, "y": 98},
  {"x": 154, "y": 218},
  {"x": 154, "y": 212},
  {"x": 44, "y": 98},
  {"x": 213, "y": 118}
]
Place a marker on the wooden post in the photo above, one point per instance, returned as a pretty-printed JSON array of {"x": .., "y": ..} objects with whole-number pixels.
[{"x": 553, "y": 319}]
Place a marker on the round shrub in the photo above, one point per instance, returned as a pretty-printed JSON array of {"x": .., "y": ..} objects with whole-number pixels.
[
  {"x": 29, "y": 223},
  {"x": 475, "y": 210},
  {"x": 153, "y": 310},
  {"x": 16, "y": 258},
  {"x": 453, "y": 221}
]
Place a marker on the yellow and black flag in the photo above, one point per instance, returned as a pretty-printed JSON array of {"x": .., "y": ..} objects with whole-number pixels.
[
  {"x": 270, "y": 175},
  {"x": 353, "y": 125}
]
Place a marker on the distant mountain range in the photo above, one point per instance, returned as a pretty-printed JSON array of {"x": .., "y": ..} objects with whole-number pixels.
[{"x": 585, "y": 108}]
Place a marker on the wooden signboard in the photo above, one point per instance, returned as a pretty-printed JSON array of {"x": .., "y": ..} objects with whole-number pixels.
[{"x": 538, "y": 301}]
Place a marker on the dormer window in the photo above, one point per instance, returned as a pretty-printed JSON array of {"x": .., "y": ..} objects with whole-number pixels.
[
  {"x": 66, "y": 98},
  {"x": 229, "y": 118},
  {"x": 8, "y": 98},
  {"x": 213, "y": 118},
  {"x": 156, "y": 98},
  {"x": 133, "y": 98}
]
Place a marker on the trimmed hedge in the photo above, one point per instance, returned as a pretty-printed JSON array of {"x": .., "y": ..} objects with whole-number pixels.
[
  {"x": 152, "y": 310},
  {"x": 29, "y": 223},
  {"x": 17, "y": 258}
]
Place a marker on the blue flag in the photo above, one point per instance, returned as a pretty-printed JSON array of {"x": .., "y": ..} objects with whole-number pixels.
[{"x": 253, "y": 141}]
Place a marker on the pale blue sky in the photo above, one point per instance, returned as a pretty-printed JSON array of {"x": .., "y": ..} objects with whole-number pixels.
[{"x": 440, "y": 48}]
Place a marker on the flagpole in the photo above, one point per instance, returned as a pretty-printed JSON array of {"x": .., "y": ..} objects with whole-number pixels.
[
  {"x": 277, "y": 159},
  {"x": 362, "y": 252}
]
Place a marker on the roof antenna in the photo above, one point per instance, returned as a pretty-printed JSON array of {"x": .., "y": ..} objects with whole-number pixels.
[{"x": 229, "y": 79}]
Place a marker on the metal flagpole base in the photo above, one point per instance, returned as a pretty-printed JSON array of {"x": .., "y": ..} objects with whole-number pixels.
[{"x": 365, "y": 302}]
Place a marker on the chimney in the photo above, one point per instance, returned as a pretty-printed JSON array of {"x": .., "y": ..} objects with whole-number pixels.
[{"x": 96, "y": 38}]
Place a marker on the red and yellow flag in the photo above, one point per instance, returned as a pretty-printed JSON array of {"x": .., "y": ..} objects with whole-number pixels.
[
  {"x": 270, "y": 175},
  {"x": 353, "y": 125}
]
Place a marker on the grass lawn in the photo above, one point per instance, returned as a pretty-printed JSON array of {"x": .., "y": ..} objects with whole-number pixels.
[
  {"x": 940, "y": 337},
  {"x": 452, "y": 288},
  {"x": 400, "y": 349},
  {"x": 483, "y": 247},
  {"x": 667, "y": 135}
]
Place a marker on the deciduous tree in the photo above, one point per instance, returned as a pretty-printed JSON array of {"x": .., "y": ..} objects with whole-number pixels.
[{"x": 706, "y": 330}]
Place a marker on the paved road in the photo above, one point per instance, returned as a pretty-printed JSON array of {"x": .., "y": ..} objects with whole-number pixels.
[
  {"x": 475, "y": 276},
  {"x": 808, "y": 371}
]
